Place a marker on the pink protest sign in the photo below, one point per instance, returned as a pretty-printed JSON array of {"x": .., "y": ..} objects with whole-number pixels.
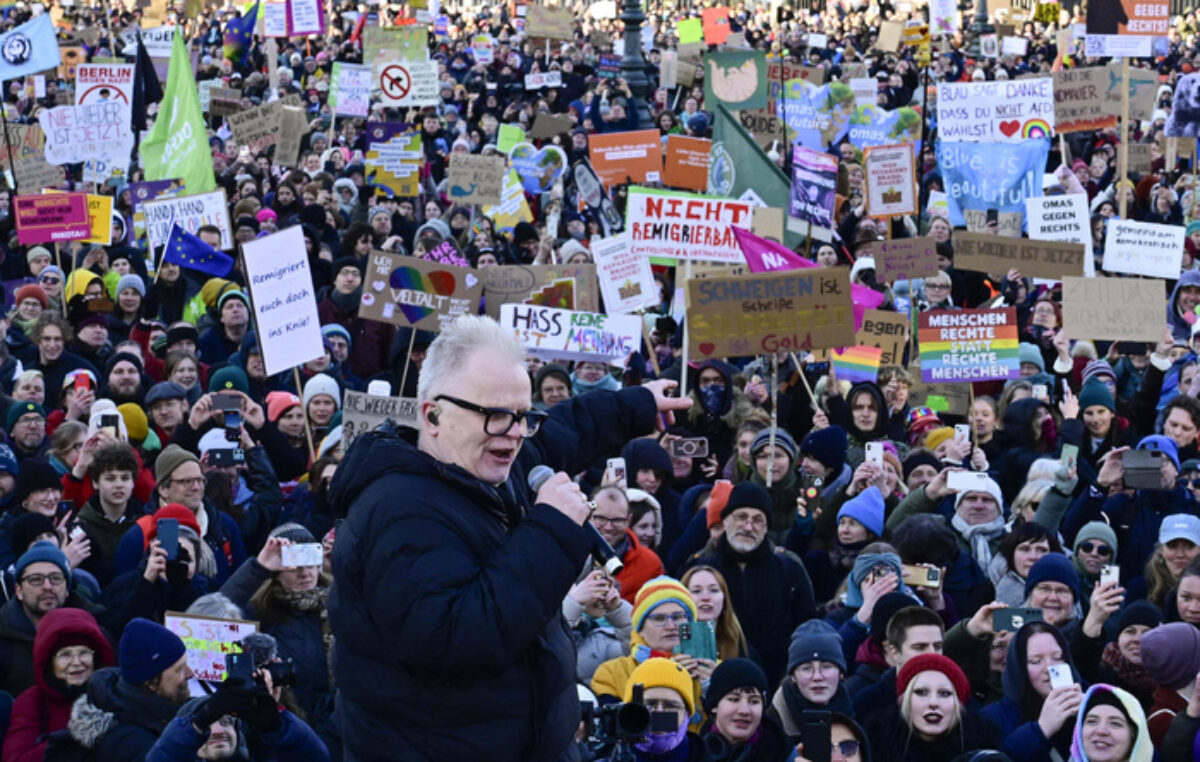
[{"x": 52, "y": 218}]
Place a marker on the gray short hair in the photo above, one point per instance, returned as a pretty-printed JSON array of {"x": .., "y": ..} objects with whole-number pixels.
[
  {"x": 454, "y": 346},
  {"x": 216, "y": 605}
]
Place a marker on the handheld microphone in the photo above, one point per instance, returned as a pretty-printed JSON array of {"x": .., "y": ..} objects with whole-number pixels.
[{"x": 602, "y": 552}]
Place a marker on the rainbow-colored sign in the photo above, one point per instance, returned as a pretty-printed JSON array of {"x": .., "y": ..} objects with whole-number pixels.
[{"x": 968, "y": 345}]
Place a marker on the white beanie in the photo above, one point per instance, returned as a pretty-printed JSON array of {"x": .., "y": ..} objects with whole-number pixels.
[
  {"x": 321, "y": 384},
  {"x": 988, "y": 486}
]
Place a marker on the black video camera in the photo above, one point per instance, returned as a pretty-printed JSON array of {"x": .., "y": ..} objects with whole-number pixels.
[
  {"x": 616, "y": 726},
  {"x": 283, "y": 673}
]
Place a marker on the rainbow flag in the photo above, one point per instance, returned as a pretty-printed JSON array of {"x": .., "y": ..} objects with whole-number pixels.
[
  {"x": 855, "y": 364},
  {"x": 968, "y": 345}
]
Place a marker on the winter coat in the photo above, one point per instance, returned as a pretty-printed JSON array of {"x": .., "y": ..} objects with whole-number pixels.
[
  {"x": 295, "y": 741},
  {"x": 1180, "y": 327},
  {"x": 768, "y": 744},
  {"x": 1013, "y": 468},
  {"x": 1143, "y": 747},
  {"x": 646, "y": 453},
  {"x": 115, "y": 720},
  {"x": 893, "y": 740},
  {"x": 450, "y": 641},
  {"x": 223, "y": 537},
  {"x": 17, "y": 634},
  {"x": 370, "y": 340},
  {"x": 597, "y": 641}
]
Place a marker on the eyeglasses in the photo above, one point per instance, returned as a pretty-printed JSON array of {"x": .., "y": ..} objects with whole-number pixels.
[
  {"x": 37, "y": 580},
  {"x": 1058, "y": 592},
  {"x": 498, "y": 421},
  {"x": 936, "y": 286},
  {"x": 664, "y": 618},
  {"x": 754, "y": 519},
  {"x": 1094, "y": 547},
  {"x": 67, "y": 655},
  {"x": 616, "y": 521},
  {"x": 663, "y": 705},
  {"x": 846, "y": 748},
  {"x": 1193, "y": 483},
  {"x": 189, "y": 482},
  {"x": 51, "y": 281}
]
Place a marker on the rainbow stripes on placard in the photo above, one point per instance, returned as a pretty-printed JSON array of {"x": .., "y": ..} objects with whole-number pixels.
[
  {"x": 856, "y": 364},
  {"x": 968, "y": 345}
]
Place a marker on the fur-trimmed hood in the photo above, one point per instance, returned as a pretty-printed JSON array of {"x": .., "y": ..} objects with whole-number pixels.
[{"x": 110, "y": 702}]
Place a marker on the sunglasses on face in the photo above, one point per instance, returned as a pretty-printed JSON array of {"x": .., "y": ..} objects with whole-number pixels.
[{"x": 1090, "y": 547}]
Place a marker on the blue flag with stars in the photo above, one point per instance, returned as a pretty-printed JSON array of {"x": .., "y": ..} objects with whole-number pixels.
[
  {"x": 187, "y": 250},
  {"x": 238, "y": 33}
]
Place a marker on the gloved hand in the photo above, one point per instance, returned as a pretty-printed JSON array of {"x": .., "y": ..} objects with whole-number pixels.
[
  {"x": 262, "y": 713},
  {"x": 229, "y": 698}
]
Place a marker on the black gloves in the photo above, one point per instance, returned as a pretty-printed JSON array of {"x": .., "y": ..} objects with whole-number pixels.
[{"x": 251, "y": 704}]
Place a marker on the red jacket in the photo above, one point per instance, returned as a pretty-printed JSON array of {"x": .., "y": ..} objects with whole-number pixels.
[
  {"x": 80, "y": 490},
  {"x": 42, "y": 708},
  {"x": 641, "y": 566},
  {"x": 1167, "y": 703}
]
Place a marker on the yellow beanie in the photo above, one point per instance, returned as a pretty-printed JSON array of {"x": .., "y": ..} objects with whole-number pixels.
[
  {"x": 135, "y": 422},
  {"x": 212, "y": 290},
  {"x": 658, "y": 591},
  {"x": 937, "y": 436},
  {"x": 663, "y": 673}
]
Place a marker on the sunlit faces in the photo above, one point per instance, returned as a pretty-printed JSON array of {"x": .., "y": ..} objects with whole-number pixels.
[
  {"x": 1041, "y": 652},
  {"x": 817, "y": 680},
  {"x": 1107, "y": 734},
  {"x": 707, "y": 594},
  {"x": 930, "y": 704}
]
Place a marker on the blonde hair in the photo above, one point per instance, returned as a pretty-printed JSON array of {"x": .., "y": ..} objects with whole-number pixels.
[
  {"x": 1160, "y": 580},
  {"x": 731, "y": 640},
  {"x": 906, "y": 704}
]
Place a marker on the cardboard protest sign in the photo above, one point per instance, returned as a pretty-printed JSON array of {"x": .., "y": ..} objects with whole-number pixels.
[
  {"x": 886, "y": 330},
  {"x": 207, "y": 640},
  {"x": 767, "y": 128},
  {"x": 1061, "y": 218},
  {"x": 475, "y": 179},
  {"x": 736, "y": 78},
  {"x": 285, "y": 302},
  {"x": 513, "y": 206},
  {"x": 982, "y": 176},
  {"x": 954, "y": 399},
  {"x": 622, "y": 157},
  {"x": 968, "y": 345},
  {"x": 687, "y": 163},
  {"x": 1143, "y": 88},
  {"x": 223, "y": 101},
  {"x": 350, "y": 90},
  {"x": 258, "y": 127},
  {"x": 626, "y": 280},
  {"x": 408, "y": 83},
  {"x": 96, "y": 83},
  {"x": 77, "y": 133},
  {"x": 1143, "y": 248},
  {"x": 292, "y": 123},
  {"x": 770, "y": 312},
  {"x": 997, "y": 111},
  {"x": 676, "y": 225},
  {"x": 891, "y": 181},
  {"x": 51, "y": 218},
  {"x": 890, "y": 33},
  {"x": 413, "y": 292},
  {"x": 814, "y": 187},
  {"x": 1081, "y": 103},
  {"x": 35, "y": 173},
  {"x": 550, "y": 23},
  {"x": 27, "y": 141},
  {"x": 570, "y": 334},
  {"x": 547, "y": 125},
  {"x": 902, "y": 258},
  {"x": 566, "y": 286},
  {"x": 980, "y": 252},
  {"x": 1141, "y": 157},
  {"x": 189, "y": 213},
  {"x": 1120, "y": 309},
  {"x": 362, "y": 412}
]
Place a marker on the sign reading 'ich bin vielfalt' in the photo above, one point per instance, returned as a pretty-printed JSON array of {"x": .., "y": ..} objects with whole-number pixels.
[{"x": 968, "y": 345}]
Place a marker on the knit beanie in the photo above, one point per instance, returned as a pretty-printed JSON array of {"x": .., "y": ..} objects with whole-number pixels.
[
  {"x": 35, "y": 252},
  {"x": 717, "y": 500},
  {"x": 937, "y": 436},
  {"x": 35, "y": 474},
  {"x": 867, "y": 509},
  {"x": 321, "y": 384},
  {"x": 297, "y": 534},
  {"x": 44, "y": 551},
  {"x": 1053, "y": 567},
  {"x": 279, "y": 403},
  {"x": 660, "y": 590},
  {"x": 886, "y": 608},
  {"x": 783, "y": 440},
  {"x": 1096, "y": 392},
  {"x": 31, "y": 291},
  {"x": 748, "y": 495},
  {"x": 1097, "y": 368},
  {"x": 8, "y": 461},
  {"x": 1171, "y": 654},
  {"x": 1163, "y": 444},
  {"x": 815, "y": 640},
  {"x": 136, "y": 422},
  {"x": 176, "y": 511},
  {"x": 229, "y": 379},
  {"x": 336, "y": 329},
  {"x": 134, "y": 281},
  {"x": 1140, "y": 612},
  {"x": 182, "y": 332},
  {"x": 25, "y": 527},
  {"x": 918, "y": 458},
  {"x": 937, "y": 663},
  {"x": 18, "y": 409},
  {"x": 863, "y": 565},
  {"x": 1097, "y": 530},
  {"x": 988, "y": 486},
  {"x": 120, "y": 357},
  {"x": 233, "y": 293},
  {"x": 1029, "y": 353},
  {"x": 172, "y": 457},
  {"x": 147, "y": 649},
  {"x": 729, "y": 676},
  {"x": 828, "y": 446},
  {"x": 663, "y": 673},
  {"x": 921, "y": 419}
]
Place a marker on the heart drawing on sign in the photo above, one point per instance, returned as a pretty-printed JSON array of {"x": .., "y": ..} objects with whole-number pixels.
[
  {"x": 1010, "y": 128},
  {"x": 538, "y": 169},
  {"x": 471, "y": 280},
  {"x": 707, "y": 348},
  {"x": 419, "y": 303}
]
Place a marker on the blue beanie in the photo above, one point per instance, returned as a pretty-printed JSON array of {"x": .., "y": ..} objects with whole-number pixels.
[
  {"x": 867, "y": 509},
  {"x": 815, "y": 640},
  {"x": 43, "y": 552},
  {"x": 1053, "y": 567},
  {"x": 147, "y": 649},
  {"x": 1163, "y": 444},
  {"x": 1029, "y": 353},
  {"x": 336, "y": 329},
  {"x": 863, "y": 565},
  {"x": 827, "y": 445},
  {"x": 8, "y": 461}
]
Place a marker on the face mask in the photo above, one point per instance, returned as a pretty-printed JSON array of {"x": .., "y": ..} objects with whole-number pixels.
[
  {"x": 661, "y": 743},
  {"x": 1049, "y": 432},
  {"x": 712, "y": 396},
  {"x": 577, "y": 236}
]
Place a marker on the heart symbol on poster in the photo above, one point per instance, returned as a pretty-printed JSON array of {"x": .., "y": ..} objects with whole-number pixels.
[
  {"x": 471, "y": 280},
  {"x": 378, "y": 285},
  {"x": 707, "y": 348},
  {"x": 538, "y": 169},
  {"x": 1010, "y": 128},
  {"x": 440, "y": 283}
]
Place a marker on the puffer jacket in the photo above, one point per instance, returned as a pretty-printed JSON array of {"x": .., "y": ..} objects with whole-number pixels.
[{"x": 115, "y": 720}]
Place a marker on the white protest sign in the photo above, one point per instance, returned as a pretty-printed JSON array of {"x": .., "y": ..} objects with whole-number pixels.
[
  {"x": 362, "y": 412},
  {"x": 866, "y": 91},
  {"x": 285, "y": 303},
  {"x": 189, "y": 212},
  {"x": 685, "y": 225},
  {"x": 158, "y": 41},
  {"x": 305, "y": 18},
  {"x": 891, "y": 180},
  {"x": 1014, "y": 46},
  {"x": 626, "y": 281},
  {"x": 207, "y": 640},
  {"x": 351, "y": 92},
  {"x": 543, "y": 79},
  {"x": 1117, "y": 46},
  {"x": 568, "y": 334},
  {"x": 274, "y": 20},
  {"x": 77, "y": 133},
  {"x": 98, "y": 83},
  {"x": 996, "y": 111},
  {"x": 1143, "y": 248},
  {"x": 408, "y": 83},
  {"x": 1063, "y": 218}
]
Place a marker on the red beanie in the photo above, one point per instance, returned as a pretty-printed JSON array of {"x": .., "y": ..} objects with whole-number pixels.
[
  {"x": 31, "y": 291},
  {"x": 719, "y": 497},
  {"x": 174, "y": 511},
  {"x": 938, "y": 663}
]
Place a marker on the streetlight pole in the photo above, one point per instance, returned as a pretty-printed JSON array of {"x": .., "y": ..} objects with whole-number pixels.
[
  {"x": 633, "y": 66},
  {"x": 979, "y": 27}
]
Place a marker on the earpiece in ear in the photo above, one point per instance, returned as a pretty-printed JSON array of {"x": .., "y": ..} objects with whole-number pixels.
[{"x": 432, "y": 417}]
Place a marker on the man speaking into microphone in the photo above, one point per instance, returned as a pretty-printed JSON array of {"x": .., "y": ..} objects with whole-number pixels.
[{"x": 449, "y": 642}]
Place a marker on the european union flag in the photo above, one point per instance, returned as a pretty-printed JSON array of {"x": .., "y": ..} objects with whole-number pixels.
[
  {"x": 238, "y": 33},
  {"x": 187, "y": 250}
]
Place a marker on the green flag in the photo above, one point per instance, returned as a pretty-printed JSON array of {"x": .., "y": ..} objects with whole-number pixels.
[
  {"x": 177, "y": 146},
  {"x": 740, "y": 169}
]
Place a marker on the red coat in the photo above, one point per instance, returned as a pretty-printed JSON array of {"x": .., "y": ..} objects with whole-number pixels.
[
  {"x": 80, "y": 490},
  {"x": 42, "y": 709},
  {"x": 641, "y": 566},
  {"x": 1167, "y": 704}
]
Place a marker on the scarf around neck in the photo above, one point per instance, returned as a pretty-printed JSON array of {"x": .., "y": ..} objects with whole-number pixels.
[{"x": 978, "y": 537}]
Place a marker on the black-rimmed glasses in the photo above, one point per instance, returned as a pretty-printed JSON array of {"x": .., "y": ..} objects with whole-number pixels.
[{"x": 498, "y": 421}]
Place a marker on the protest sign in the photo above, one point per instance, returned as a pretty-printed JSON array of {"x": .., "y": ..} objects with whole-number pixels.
[
  {"x": 890, "y": 33},
  {"x": 866, "y": 91},
  {"x": 292, "y": 123},
  {"x": 982, "y": 176},
  {"x": 571, "y": 334},
  {"x": 1081, "y": 103},
  {"x": 51, "y": 218},
  {"x": 543, "y": 79},
  {"x": 258, "y": 127},
  {"x": 770, "y": 312},
  {"x": 408, "y": 83},
  {"x": 1143, "y": 248},
  {"x": 1141, "y": 157},
  {"x": 902, "y": 258},
  {"x": 687, "y": 163},
  {"x": 676, "y": 225},
  {"x": 547, "y": 125},
  {"x": 97, "y": 83},
  {"x": 446, "y": 253},
  {"x": 996, "y": 111},
  {"x": 626, "y": 280},
  {"x": 1117, "y": 46},
  {"x": 566, "y": 286},
  {"x": 274, "y": 19},
  {"x": 736, "y": 78},
  {"x": 509, "y": 137},
  {"x": 814, "y": 187},
  {"x": 1014, "y": 46},
  {"x": 538, "y": 168},
  {"x": 513, "y": 206},
  {"x": 305, "y": 18},
  {"x": 158, "y": 41},
  {"x": 968, "y": 345},
  {"x": 362, "y": 412},
  {"x": 401, "y": 43},
  {"x": 622, "y": 157},
  {"x": 1147, "y": 18},
  {"x": 984, "y": 253},
  {"x": 100, "y": 219},
  {"x": 189, "y": 213},
  {"x": 767, "y": 128},
  {"x": 891, "y": 181},
  {"x": 208, "y": 640},
  {"x": 715, "y": 23},
  {"x": 98, "y": 131},
  {"x": 954, "y": 399},
  {"x": 394, "y": 158},
  {"x": 1119, "y": 309},
  {"x": 1143, "y": 89},
  {"x": 475, "y": 179},
  {"x": 350, "y": 93},
  {"x": 1061, "y": 218},
  {"x": 944, "y": 17},
  {"x": 285, "y": 302},
  {"x": 873, "y": 126},
  {"x": 223, "y": 101},
  {"x": 886, "y": 330},
  {"x": 413, "y": 292},
  {"x": 550, "y": 23},
  {"x": 27, "y": 141}
]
